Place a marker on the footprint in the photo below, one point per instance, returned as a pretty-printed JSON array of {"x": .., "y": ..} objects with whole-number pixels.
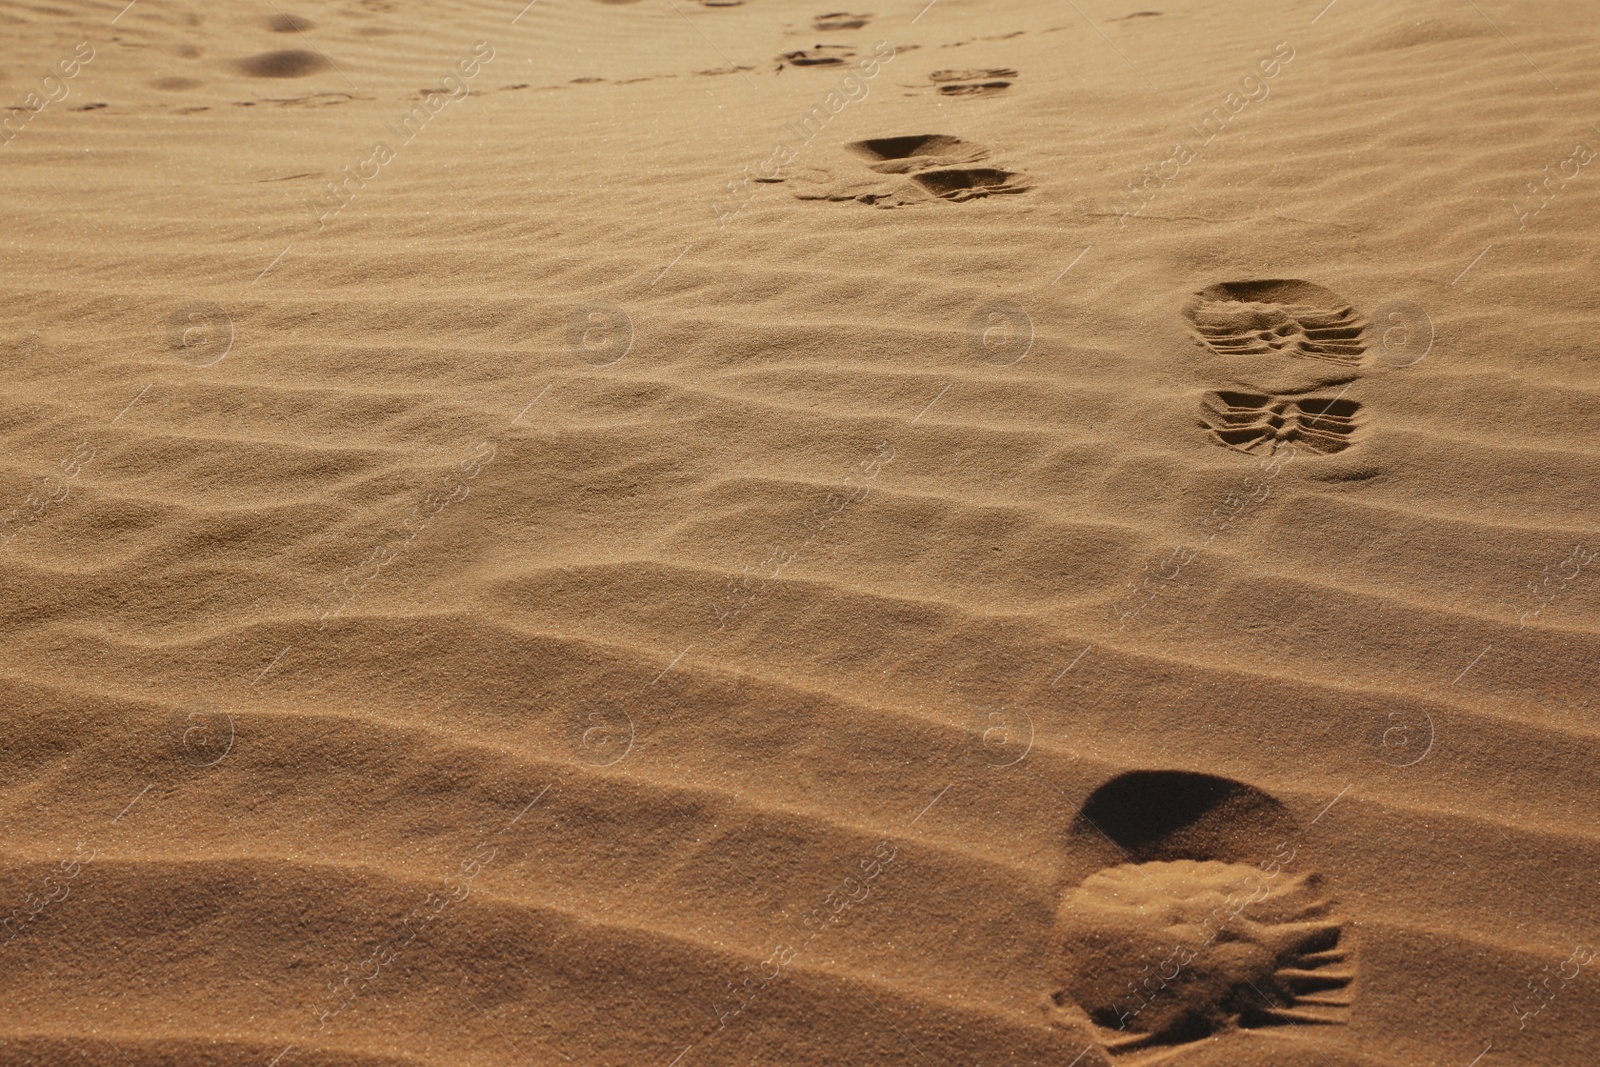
[
  {"x": 282, "y": 23},
  {"x": 176, "y": 85},
  {"x": 1225, "y": 949},
  {"x": 969, "y": 183},
  {"x": 972, "y": 82},
  {"x": 1200, "y": 923},
  {"x": 901, "y": 155},
  {"x": 934, "y": 167},
  {"x": 1286, "y": 317},
  {"x": 839, "y": 20},
  {"x": 823, "y": 55},
  {"x": 288, "y": 63},
  {"x": 1263, "y": 425},
  {"x": 313, "y": 100},
  {"x": 1279, "y": 327}
]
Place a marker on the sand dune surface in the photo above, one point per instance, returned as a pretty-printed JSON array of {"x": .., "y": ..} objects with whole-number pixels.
[{"x": 685, "y": 532}]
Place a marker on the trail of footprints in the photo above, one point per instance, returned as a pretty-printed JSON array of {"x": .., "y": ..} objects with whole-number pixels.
[
  {"x": 1154, "y": 950},
  {"x": 905, "y": 170},
  {"x": 1283, "y": 318},
  {"x": 1204, "y": 919},
  {"x": 826, "y": 55}
]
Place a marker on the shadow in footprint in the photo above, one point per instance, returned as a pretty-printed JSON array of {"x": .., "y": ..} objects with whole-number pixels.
[
  {"x": 901, "y": 155},
  {"x": 1197, "y": 920},
  {"x": 1172, "y": 815},
  {"x": 968, "y": 183}
]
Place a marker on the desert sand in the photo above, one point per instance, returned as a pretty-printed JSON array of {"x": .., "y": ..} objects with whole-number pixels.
[{"x": 731, "y": 532}]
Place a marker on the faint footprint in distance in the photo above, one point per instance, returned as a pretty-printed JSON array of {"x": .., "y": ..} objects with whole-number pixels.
[
  {"x": 281, "y": 23},
  {"x": 822, "y": 55},
  {"x": 900, "y": 155},
  {"x": 287, "y": 63},
  {"x": 972, "y": 82},
  {"x": 933, "y": 167},
  {"x": 839, "y": 20}
]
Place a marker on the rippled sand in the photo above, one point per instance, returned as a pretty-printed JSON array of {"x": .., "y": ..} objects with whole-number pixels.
[{"x": 677, "y": 533}]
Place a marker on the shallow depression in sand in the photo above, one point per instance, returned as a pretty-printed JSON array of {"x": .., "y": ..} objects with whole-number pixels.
[
  {"x": 286, "y": 63},
  {"x": 1174, "y": 951}
]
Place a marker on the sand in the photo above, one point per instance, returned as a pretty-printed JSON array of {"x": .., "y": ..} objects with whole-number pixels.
[{"x": 684, "y": 533}]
